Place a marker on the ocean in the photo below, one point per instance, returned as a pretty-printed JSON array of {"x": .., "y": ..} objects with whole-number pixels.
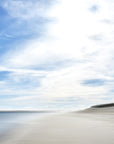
[{"x": 11, "y": 120}]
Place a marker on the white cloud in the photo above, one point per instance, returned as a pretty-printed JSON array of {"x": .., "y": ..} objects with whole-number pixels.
[
  {"x": 24, "y": 9},
  {"x": 68, "y": 38}
]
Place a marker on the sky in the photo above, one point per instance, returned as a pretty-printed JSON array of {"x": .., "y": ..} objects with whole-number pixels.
[{"x": 56, "y": 54}]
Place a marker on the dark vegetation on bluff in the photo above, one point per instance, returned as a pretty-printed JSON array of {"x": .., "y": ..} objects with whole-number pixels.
[{"x": 103, "y": 105}]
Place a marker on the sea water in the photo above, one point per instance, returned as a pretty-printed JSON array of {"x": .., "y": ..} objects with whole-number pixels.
[{"x": 10, "y": 120}]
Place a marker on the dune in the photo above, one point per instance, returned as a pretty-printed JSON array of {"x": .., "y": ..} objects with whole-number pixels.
[
  {"x": 90, "y": 126},
  {"x": 102, "y": 109}
]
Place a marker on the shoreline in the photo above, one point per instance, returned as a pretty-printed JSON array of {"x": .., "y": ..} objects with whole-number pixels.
[{"x": 66, "y": 128}]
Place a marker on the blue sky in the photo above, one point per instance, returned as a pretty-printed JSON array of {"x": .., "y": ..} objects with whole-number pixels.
[{"x": 56, "y": 54}]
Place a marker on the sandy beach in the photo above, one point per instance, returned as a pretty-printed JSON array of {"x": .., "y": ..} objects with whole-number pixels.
[{"x": 92, "y": 126}]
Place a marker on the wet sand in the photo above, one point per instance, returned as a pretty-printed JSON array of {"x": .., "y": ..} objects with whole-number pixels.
[{"x": 92, "y": 126}]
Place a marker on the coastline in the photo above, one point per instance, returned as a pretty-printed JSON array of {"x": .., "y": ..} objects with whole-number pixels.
[{"x": 67, "y": 128}]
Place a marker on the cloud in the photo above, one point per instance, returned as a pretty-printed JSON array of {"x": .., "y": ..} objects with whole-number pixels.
[
  {"x": 97, "y": 37},
  {"x": 24, "y": 9},
  {"x": 22, "y": 21},
  {"x": 64, "y": 55},
  {"x": 108, "y": 21}
]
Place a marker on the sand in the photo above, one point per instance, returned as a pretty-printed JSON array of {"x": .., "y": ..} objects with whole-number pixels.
[{"x": 92, "y": 126}]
